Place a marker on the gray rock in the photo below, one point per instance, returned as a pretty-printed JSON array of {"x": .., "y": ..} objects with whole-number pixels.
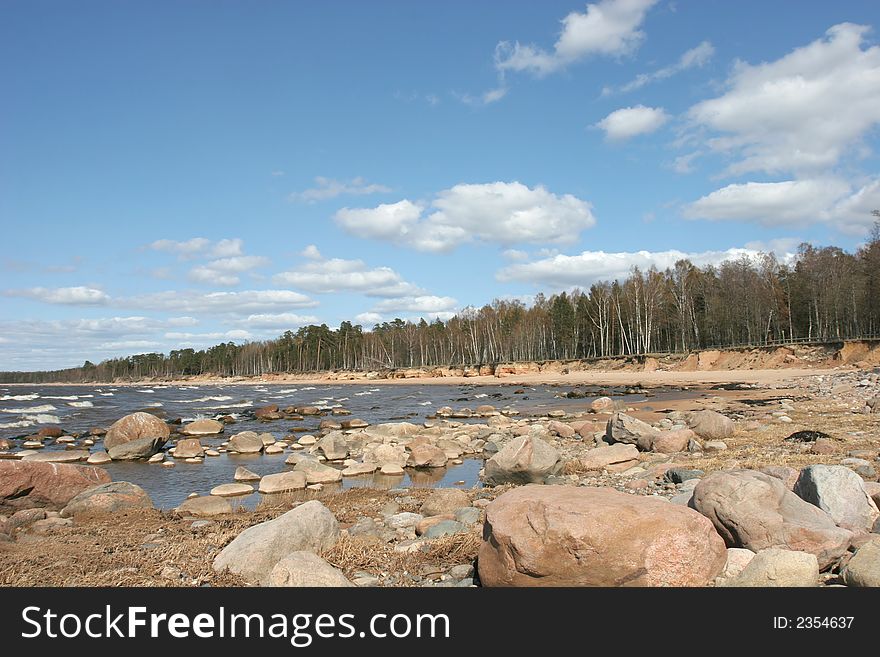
[
  {"x": 404, "y": 520},
  {"x": 523, "y": 460},
  {"x": 462, "y": 571},
  {"x": 680, "y": 475},
  {"x": 774, "y": 567},
  {"x": 711, "y": 425},
  {"x": 243, "y": 474},
  {"x": 863, "y": 568},
  {"x": 254, "y": 553},
  {"x": 444, "y": 500},
  {"x": 283, "y": 482},
  {"x": 246, "y": 442},
  {"x": 333, "y": 446},
  {"x": 737, "y": 560},
  {"x": 840, "y": 492},
  {"x": 468, "y": 515},
  {"x": 140, "y": 448},
  {"x": 316, "y": 472},
  {"x": 303, "y": 568},
  {"x": 108, "y": 498},
  {"x": 206, "y": 505},
  {"x": 444, "y": 528},
  {"x": 756, "y": 511},
  {"x": 601, "y": 457},
  {"x": 623, "y": 428}
]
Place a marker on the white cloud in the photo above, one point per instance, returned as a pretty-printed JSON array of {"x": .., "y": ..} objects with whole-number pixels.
[
  {"x": 368, "y": 319},
  {"x": 311, "y": 252},
  {"x": 568, "y": 271},
  {"x": 515, "y": 255},
  {"x": 801, "y": 113},
  {"x": 221, "y": 303},
  {"x": 277, "y": 320},
  {"x": 223, "y": 270},
  {"x": 628, "y": 122},
  {"x": 486, "y": 98},
  {"x": 199, "y": 247},
  {"x": 68, "y": 296},
  {"x": 227, "y": 248},
  {"x": 236, "y": 334},
  {"x": 182, "y": 321},
  {"x": 791, "y": 202},
  {"x": 327, "y": 188},
  {"x": 696, "y": 57},
  {"x": 417, "y": 304},
  {"x": 609, "y": 27},
  {"x": 339, "y": 275},
  {"x": 498, "y": 213}
]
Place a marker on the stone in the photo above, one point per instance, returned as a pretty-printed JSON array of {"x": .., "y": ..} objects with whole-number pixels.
[
  {"x": 357, "y": 469},
  {"x": 737, "y": 560},
  {"x": 23, "y": 518},
  {"x": 202, "y": 428},
  {"x": 50, "y": 432},
  {"x": 266, "y": 413},
  {"x": 711, "y": 425},
  {"x": 523, "y": 460},
  {"x": 714, "y": 446},
  {"x": 823, "y": 446},
  {"x": 444, "y": 500},
  {"x": 623, "y": 428},
  {"x": 108, "y": 498},
  {"x": 386, "y": 454},
  {"x": 756, "y": 511},
  {"x": 672, "y": 441},
  {"x": 26, "y": 484},
  {"x": 561, "y": 429},
  {"x": 785, "y": 474},
  {"x": 205, "y": 505},
  {"x": 863, "y": 569},
  {"x": 840, "y": 492},
  {"x": 602, "y": 405},
  {"x": 579, "y": 536},
  {"x": 303, "y": 568},
  {"x": 426, "y": 456},
  {"x": 232, "y": 490},
  {"x": 67, "y": 456},
  {"x": 188, "y": 448},
  {"x": 243, "y": 474},
  {"x": 775, "y": 567},
  {"x": 317, "y": 473},
  {"x": 283, "y": 482},
  {"x": 681, "y": 475},
  {"x": 354, "y": 423},
  {"x": 156, "y": 458},
  {"x": 136, "y": 426},
  {"x": 404, "y": 520},
  {"x": 601, "y": 457},
  {"x": 254, "y": 553},
  {"x": 468, "y": 515},
  {"x": 274, "y": 449},
  {"x": 99, "y": 458},
  {"x": 444, "y": 528},
  {"x": 333, "y": 446},
  {"x": 246, "y": 442},
  {"x": 872, "y": 488},
  {"x": 391, "y": 469},
  {"x": 140, "y": 448}
]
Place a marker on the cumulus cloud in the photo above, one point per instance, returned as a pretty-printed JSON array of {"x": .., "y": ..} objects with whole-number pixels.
[
  {"x": 221, "y": 303},
  {"x": 418, "y": 304},
  {"x": 327, "y": 188},
  {"x": 628, "y": 122},
  {"x": 486, "y": 98},
  {"x": 696, "y": 57},
  {"x": 568, "y": 271},
  {"x": 608, "y": 27},
  {"x": 801, "y": 113},
  {"x": 498, "y": 213},
  {"x": 223, "y": 270},
  {"x": 311, "y": 252},
  {"x": 340, "y": 275},
  {"x": 792, "y": 202},
  {"x": 368, "y": 319},
  {"x": 199, "y": 247},
  {"x": 276, "y": 320},
  {"x": 68, "y": 296},
  {"x": 235, "y": 334}
]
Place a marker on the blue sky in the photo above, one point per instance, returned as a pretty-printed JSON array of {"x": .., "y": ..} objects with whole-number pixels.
[{"x": 183, "y": 173}]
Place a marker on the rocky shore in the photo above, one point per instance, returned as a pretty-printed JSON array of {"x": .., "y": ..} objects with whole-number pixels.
[{"x": 744, "y": 485}]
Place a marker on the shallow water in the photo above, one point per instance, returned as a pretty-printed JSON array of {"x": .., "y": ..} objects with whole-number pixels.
[{"x": 24, "y": 409}]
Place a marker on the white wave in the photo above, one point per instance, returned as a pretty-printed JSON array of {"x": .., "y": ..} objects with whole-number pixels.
[
  {"x": 342, "y": 399},
  {"x": 17, "y": 425},
  {"x": 427, "y": 403},
  {"x": 81, "y": 404},
  {"x": 361, "y": 394},
  {"x": 31, "y": 397},
  {"x": 246, "y": 404},
  {"x": 47, "y": 419},
  {"x": 33, "y": 409},
  {"x": 287, "y": 391},
  {"x": 149, "y": 392},
  {"x": 201, "y": 400},
  {"x": 374, "y": 389},
  {"x": 155, "y": 405},
  {"x": 480, "y": 396},
  {"x": 309, "y": 388},
  {"x": 188, "y": 388},
  {"x": 106, "y": 394}
]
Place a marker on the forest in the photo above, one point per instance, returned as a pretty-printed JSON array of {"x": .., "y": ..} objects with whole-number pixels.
[{"x": 824, "y": 293}]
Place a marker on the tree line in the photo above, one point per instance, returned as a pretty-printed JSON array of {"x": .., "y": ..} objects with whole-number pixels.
[{"x": 825, "y": 293}]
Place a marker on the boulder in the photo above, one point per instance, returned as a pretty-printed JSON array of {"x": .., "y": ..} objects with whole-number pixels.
[
  {"x": 444, "y": 500},
  {"x": 269, "y": 412},
  {"x": 672, "y": 441},
  {"x": 66, "y": 456},
  {"x": 601, "y": 457},
  {"x": 785, "y": 474},
  {"x": 756, "y": 511},
  {"x": 243, "y": 474},
  {"x": 711, "y": 425},
  {"x": 561, "y": 429},
  {"x": 303, "y": 568},
  {"x": 99, "y": 458},
  {"x": 50, "y": 432},
  {"x": 426, "y": 456},
  {"x": 136, "y": 426},
  {"x": 26, "y": 484},
  {"x": 354, "y": 423},
  {"x": 188, "y": 448},
  {"x": 333, "y": 446},
  {"x": 358, "y": 469},
  {"x": 108, "y": 498},
  {"x": 841, "y": 493},
  {"x": 232, "y": 490},
  {"x": 776, "y": 568},
  {"x": 872, "y": 488},
  {"x": 567, "y": 536},
  {"x": 523, "y": 460},
  {"x": 205, "y": 505},
  {"x": 602, "y": 405},
  {"x": 387, "y": 454},
  {"x": 202, "y": 428},
  {"x": 445, "y": 527},
  {"x": 623, "y": 428},
  {"x": 737, "y": 560},
  {"x": 317, "y": 473},
  {"x": 246, "y": 442},
  {"x": 283, "y": 482},
  {"x": 254, "y": 553},
  {"x": 863, "y": 568},
  {"x": 140, "y": 448}
]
